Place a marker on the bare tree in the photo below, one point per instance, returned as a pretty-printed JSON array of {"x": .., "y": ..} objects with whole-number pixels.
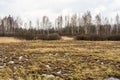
[
  {"x": 30, "y": 25},
  {"x": 67, "y": 24},
  {"x": 3, "y": 27},
  {"x": 107, "y": 27},
  {"x": 98, "y": 23},
  {"x": 0, "y": 26},
  {"x": 78, "y": 24},
  {"x": 38, "y": 26},
  {"x": 30, "y": 28},
  {"x": 45, "y": 22},
  {"x": 117, "y": 23},
  {"x": 73, "y": 24},
  {"x": 59, "y": 23},
  {"x": 87, "y": 18}
]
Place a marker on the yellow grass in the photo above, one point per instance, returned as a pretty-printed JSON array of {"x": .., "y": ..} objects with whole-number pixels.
[
  {"x": 59, "y": 60},
  {"x": 67, "y": 38},
  {"x": 9, "y": 40}
]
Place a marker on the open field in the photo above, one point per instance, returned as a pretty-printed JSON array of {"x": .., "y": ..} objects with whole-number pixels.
[
  {"x": 59, "y": 60},
  {"x": 67, "y": 38},
  {"x": 9, "y": 40}
]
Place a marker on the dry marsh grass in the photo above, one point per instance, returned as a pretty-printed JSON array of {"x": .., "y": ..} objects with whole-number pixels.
[
  {"x": 9, "y": 40},
  {"x": 60, "y": 60},
  {"x": 67, "y": 38}
]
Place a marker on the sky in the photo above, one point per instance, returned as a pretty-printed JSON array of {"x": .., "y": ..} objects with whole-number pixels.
[{"x": 35, "y": 9}]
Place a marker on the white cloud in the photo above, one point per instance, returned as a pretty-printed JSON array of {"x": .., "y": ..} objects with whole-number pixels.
[
  {"x": 99, "y": 9},
  {"x": 33, "y": 9}
]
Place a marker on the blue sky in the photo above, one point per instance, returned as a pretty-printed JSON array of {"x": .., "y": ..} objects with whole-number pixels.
[{"x": 34, "y": 9}]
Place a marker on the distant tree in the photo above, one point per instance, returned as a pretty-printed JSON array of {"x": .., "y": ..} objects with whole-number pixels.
[
  {"x": 0, "y": 21},
  {"x": 43, "y": 24},
  {"x": 18, "y": 24},
  {"x": 80, "y": 23},
  {"x": 98, "y": 24},
  {"x": 2, "y": 27},
  {"x": 73, "y": 24},
  {"x": 59, "y": 24},
  {"x": 30, "y": 28},
  {"x": 38, "y": 26},
  {"x": 67, "y": 24},
  {"x": 87, "y": 18},
  {"x": 30, "y": 25},
  {"x": 46, "y": 23},
  {"x": 107, "y": 27},
  {"x": 117, "y": 24},
  {"x": 10, "y": 25},
  {"x": 25, "y": 25}
]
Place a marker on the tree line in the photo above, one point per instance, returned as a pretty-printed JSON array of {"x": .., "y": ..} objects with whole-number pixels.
[{"x": 64, "y": 26}]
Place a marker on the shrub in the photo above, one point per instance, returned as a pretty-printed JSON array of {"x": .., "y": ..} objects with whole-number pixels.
[
  {"x": 114, "y": 37},
  {"x": 30, "y": 37},
  {"x": 25, "y": 36},
  {"x": 54, "y": 36},
  {"x": 42, "y": 36},
  {"x": 96, "y": 38},
  {"x": 81, "y": 37},
  {"x": 90, "y": 37}
]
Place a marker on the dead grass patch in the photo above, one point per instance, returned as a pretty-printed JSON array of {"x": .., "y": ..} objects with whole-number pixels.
[{"x": 9, "y": 40}]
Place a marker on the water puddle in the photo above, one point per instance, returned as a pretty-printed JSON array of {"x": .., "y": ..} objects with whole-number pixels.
[
  {"x": 112, "y": 78},
  {"x": 47, "y": 75}
]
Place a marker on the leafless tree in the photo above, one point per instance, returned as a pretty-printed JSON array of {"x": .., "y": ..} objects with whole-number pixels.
[
  {"x": 59, "y": 24},
  {"x": 73, "y": 24},
  {"x": 98, "y": 23},
  {"x": 45, "y": 22},
  {"x": 87, "y": 18},
  {"x": 117, "y": 23}
]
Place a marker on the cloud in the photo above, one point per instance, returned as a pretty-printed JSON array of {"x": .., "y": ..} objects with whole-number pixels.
[
  {"x": 99, "y": 9},
  {"x": 33, "y": 9}
]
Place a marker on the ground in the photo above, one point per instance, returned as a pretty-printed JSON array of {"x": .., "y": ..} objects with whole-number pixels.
[
  {"x": 67, "y": 38},
  {"x": 9, "y": 40},
  {"x": 59, "y": 60}
]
